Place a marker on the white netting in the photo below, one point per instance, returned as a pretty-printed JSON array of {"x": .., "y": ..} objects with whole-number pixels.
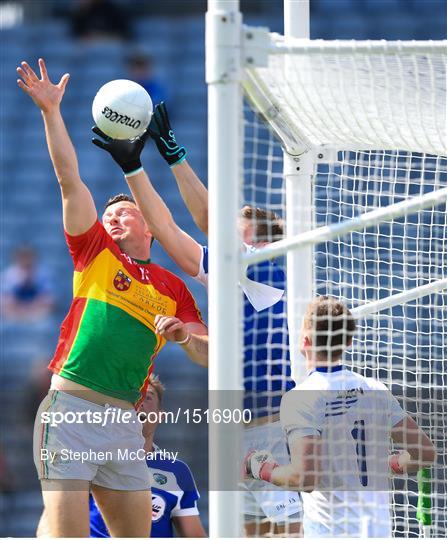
[
  {"x": 361, "y": 95},
  {"x": 385, "y": 101},
  {"x": 404, "y": 346}
]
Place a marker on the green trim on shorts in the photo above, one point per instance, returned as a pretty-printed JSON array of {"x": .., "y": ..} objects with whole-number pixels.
[{"x": 45, "y": 469}]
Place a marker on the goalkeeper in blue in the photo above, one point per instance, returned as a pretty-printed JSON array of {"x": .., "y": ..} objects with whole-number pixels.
[
  {"x": 339, "y": 426},
  {"x": 267, "y": 372}
]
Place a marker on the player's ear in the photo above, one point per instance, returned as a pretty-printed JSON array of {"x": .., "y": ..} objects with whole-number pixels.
[
  {"x": 247, "y": 232},
  {"x": 306, "y": 342}
]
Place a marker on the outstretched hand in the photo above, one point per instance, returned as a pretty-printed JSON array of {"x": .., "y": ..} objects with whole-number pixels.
[
  {"x": 125, "y": 152},
  {"x": 163, "y": 135},
  {"x": 46, "y": 95}
]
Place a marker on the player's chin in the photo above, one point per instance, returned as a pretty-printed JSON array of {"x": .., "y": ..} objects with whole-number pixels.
[{"x": 117, "y": 237}]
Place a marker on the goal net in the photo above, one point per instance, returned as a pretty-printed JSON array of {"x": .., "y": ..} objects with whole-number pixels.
[{"x": 372, "y": 117}]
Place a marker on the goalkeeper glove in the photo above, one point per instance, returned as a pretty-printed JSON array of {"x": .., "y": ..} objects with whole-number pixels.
[
  {"x": 259, "y": 465},
  {"x": 126, "y": 153},
  {"x": 160, "y": 130}
]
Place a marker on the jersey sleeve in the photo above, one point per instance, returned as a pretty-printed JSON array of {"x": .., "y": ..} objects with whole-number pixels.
[
  {"x": 187, "y": 503},
  {"x": 202, "y": 276},
  {"x": 187, "y": 310},
  {"x": 84, "y": 247},
  {"x": 396, "y": 412},
  {"x": 301, "y": 414},
  {"x": 390, "y": 404}
]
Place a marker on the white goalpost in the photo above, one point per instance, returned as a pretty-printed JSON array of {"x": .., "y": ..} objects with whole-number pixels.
[{"x": 347, "y": 142}]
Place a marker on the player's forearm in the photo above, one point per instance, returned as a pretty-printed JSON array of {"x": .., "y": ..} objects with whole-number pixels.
[
  {"x": 155, "y": 212},
  {"x": 196, "y": 347},
  {"x": 411, "y": 462},
  {"x": 288, "y": 476},
  {"x": 194, "y": 193},
  {"x": 60, "y": 147},
  {"x": 183, "y": 249}
]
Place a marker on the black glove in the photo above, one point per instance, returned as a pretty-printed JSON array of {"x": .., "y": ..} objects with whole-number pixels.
[
  {"x": 125, "y": 153},
  {"x": 160, "y": 130}
]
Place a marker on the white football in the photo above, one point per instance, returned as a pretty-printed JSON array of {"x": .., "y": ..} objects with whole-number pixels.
[{"x": 122, "y": 109}]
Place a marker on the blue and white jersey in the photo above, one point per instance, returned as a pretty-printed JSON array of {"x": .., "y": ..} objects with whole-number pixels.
[
  {"x": 354, "y": 416},
  {"x": 174, "y": 494},
  {"x": 267, "y": 373}
]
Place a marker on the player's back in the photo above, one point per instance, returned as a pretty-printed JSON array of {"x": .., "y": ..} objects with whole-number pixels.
[{"x": 354, "y": 416}]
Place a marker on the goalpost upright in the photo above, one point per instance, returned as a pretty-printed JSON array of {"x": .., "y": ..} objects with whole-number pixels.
[
  {"x": 364, "y": 172},
  {"x": 223, "y": 76},
  {"x": 298, "y": 170}
]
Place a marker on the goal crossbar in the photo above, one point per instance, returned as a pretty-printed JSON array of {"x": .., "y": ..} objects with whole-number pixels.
[
  {"x": 318, "y": 46},
  {"x": 400, "y": 298},
  {"x": 368, "y": 219}
]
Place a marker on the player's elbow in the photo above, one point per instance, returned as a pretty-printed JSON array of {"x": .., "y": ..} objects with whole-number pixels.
[
  {"x": 309, "y": 482},
  {"x": 202, "y": 222},
  {"x": 429, "y": 454},
  {"x": 302, "y": 481},
  {"x": 423, "y": 455},
  {"x": 427, "y": 451}
]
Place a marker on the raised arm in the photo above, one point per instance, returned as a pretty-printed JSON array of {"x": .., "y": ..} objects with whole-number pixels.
[
  {"x": 79, "y": 210},
  {"x": 193, "y": 192},
  {"x": 183, "y": 249}
]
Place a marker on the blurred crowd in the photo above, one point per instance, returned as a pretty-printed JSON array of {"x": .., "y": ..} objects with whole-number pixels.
[{"x": 31, "y": 304}]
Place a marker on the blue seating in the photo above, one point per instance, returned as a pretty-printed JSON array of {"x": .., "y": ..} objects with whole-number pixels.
[{"x": 31, "y": 202}]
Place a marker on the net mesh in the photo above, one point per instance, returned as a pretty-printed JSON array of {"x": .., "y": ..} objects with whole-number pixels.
[
  {"x": 403, "y": 346},
  {"x": 363, "y": 97}
]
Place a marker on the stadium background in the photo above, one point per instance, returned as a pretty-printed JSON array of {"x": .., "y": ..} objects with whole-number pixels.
[{"x": 172, "y": 32}]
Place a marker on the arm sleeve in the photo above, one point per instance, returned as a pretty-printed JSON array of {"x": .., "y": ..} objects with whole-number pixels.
[
  {"x": 390, "y": 404},
  {"x": 187, "y": 310},
  {"x": 202, "y": 276},
  {"x": 301, "y": 414},
  {"x": 396, "y": 411},
  {"x": 187, "y": 505},
  {"x": 84, "y": 247}
]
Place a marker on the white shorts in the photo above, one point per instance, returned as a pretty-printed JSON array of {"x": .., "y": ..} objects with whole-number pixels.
[
  {"x": 262, "y": 499},
  {"x": 109, "y": 455}
]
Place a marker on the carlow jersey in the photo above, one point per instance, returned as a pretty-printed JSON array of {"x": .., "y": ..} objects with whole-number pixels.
[
  {"x": 174, "y": 494},
  {"x": 354, "y": 416},
  {"x": 107, "y": 341},
  {"x": 267, "y": 373}
]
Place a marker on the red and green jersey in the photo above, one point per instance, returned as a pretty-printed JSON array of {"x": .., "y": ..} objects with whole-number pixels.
[{"x": 107, "y": 340}]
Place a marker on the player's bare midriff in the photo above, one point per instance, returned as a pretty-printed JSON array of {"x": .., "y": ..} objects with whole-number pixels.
[{"x": 83, "y": 392}]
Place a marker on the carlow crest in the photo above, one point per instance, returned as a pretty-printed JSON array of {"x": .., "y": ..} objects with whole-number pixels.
[{"x": 121, "y": 281}]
